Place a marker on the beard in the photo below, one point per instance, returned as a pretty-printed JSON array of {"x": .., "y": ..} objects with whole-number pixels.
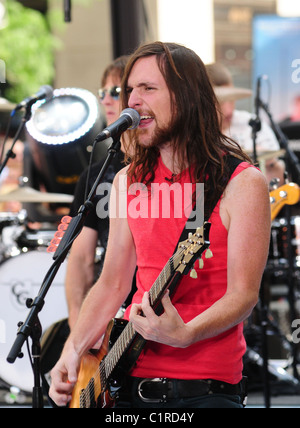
[{"x": 160, "y": 137}]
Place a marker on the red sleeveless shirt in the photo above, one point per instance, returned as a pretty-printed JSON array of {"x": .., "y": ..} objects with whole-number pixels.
[{"x": 218, "y": 358}]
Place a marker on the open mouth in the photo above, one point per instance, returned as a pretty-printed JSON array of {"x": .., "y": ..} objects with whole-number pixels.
[{"x": 146, "y": 120}]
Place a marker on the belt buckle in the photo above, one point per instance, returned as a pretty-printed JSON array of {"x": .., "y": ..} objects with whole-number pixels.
[{"x": 151, "y": 400}]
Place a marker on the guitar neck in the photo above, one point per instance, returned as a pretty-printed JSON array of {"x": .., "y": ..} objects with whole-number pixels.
[{"x": 162, "y": 283}]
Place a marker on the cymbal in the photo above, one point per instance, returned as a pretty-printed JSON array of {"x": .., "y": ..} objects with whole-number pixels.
[
  {"x": 6, "y": 106},
  {"x": 230, "y": 93},
  {"x": 29, "y": 195},
  {"x": 267, "y": 155}
]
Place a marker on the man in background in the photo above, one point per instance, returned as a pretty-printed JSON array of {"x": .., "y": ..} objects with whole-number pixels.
[{"x": 235, "y": 123}]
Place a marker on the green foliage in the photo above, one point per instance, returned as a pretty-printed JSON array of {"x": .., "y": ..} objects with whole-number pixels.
[{"x": 27, "y": 47}]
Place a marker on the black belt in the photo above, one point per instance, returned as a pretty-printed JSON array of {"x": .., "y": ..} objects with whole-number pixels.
[{"x": 161, "y": 390}]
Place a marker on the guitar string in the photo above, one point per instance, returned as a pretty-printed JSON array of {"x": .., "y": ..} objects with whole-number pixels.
[
  {"x": 107, "y": 366},
  {"x": 104, "y": 370}
]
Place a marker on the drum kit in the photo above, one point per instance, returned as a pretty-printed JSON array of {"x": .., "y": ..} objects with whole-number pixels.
[{"x": 24, "y": 262}]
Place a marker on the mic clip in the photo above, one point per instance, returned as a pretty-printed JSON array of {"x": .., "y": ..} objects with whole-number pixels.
[{"x": 255, "y": 124}]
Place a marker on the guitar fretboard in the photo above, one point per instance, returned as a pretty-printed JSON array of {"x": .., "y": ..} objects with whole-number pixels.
[{"x": 128, "y": 334}]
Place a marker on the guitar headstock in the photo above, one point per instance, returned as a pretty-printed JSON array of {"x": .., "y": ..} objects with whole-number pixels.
[
  {"x": 289, "y": 194},
  {"x": 192, "y": 249}
]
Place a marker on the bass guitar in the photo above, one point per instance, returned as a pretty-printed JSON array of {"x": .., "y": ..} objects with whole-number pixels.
[{"x": 101, "y": 372}]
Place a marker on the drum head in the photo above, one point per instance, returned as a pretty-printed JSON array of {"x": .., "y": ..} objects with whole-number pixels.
[{"x": 21, "y": 278}]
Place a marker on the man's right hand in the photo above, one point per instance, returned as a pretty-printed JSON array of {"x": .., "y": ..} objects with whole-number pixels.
[{"x": 64, "y": 377}]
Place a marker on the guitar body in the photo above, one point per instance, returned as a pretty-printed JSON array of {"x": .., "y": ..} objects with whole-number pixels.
[{"x": 89, "y": 365}]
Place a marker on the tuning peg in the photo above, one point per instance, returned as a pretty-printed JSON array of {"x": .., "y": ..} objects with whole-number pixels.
[
  {"x": 199, "y": 231},
  {"x": 201, "y": 264},
  {"x": 193, "y": 274},
  {"x": 208, "y": 254},
  {"x": 274, "y": 183}
]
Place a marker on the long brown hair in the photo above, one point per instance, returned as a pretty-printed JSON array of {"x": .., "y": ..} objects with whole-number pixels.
[{"x": 198, "y": 140}]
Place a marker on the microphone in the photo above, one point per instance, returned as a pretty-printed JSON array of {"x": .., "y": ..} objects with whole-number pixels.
[
  {"x": 129, "y": 119},
  {"x": 45, "y": 92}
]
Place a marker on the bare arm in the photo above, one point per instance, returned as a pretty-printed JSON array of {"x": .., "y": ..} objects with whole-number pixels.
[
  {"x": 100, "y": 306},
  {"x": 245, "y": 212},
  {"x": 80, "y": 272}
]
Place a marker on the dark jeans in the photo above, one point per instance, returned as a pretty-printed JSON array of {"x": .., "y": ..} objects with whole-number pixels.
[{"x": 130, "y": 399}]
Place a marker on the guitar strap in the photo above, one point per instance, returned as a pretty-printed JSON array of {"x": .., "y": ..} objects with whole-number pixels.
[{"x": 233, "y": 163}]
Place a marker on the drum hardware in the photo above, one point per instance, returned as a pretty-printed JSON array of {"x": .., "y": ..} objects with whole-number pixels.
[
  {"x": 11, "y": 219},
  {"x": 34, "y": 239},
  {"x": 281, "y": 381},
  {"x": 279, "y": 244},
  {"x": 285, "y": 244},
  {"x": 283, "y": 266},
  {"x": 11, "y": 225}
]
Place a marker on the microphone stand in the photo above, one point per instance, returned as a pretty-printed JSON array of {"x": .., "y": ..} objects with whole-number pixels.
[
  {"x": 32, "y": 327},
  {"x": 10, "y": 153},
  {"x": 255, "y": 123}
]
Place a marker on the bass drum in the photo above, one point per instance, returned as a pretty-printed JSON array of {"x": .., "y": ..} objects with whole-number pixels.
[{"x": 21, "y": 278}]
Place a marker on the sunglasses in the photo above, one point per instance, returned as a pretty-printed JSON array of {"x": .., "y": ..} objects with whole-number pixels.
[{"x": 114, "y": 92}]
